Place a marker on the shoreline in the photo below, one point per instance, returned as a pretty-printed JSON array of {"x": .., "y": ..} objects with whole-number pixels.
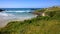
[{"x": 4, "y": 22}]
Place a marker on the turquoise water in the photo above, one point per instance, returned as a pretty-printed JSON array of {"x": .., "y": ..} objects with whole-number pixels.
[{"x": 16, "y": 15}]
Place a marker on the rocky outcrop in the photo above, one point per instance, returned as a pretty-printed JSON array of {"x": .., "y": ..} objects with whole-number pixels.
[
  {"x": 39, "y": 13},
  {"x": 1, "y": 10}
]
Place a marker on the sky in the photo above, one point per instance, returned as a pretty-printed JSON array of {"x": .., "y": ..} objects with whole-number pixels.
[{"x": 28, "y": 3}]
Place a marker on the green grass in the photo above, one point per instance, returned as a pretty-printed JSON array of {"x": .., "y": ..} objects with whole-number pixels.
[{"x": 39, "y": 25}]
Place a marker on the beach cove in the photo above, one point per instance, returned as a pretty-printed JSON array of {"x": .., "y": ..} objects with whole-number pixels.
[{"x": 8, "y": 16}]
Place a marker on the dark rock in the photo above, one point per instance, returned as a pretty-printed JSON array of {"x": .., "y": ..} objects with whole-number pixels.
[{"x": 1, "y": 10}]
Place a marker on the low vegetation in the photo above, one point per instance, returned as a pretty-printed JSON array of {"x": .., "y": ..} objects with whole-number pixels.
[{"x": 40, "y": 25}]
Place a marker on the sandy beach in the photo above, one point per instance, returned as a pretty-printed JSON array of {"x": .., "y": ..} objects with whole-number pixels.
[{"x": 4, "y": 21}]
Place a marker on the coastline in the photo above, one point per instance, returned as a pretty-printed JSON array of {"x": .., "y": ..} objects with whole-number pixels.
[
  {"x": 39, "y": 25},
  {"x": 4, "y": 22}
]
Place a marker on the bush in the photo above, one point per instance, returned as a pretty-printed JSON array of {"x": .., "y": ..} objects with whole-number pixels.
[{"x": 51, "y": 13}]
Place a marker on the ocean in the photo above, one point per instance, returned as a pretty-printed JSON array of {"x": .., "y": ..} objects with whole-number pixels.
[{"x": 15, "y": 14}]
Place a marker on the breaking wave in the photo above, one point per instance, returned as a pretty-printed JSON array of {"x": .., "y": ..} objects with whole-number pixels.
[
  {"x": 6, "y": 16},
  {"x": 19, "y": 11}
]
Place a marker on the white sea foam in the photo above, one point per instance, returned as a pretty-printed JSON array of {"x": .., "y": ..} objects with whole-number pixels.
[
  {"x": 3, "y": 14},
  {"x": 18, "y": 11},
  {"x": 6, "y": 17}
]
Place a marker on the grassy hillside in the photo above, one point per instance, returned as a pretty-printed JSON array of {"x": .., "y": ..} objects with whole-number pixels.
[{"x": 39, "y": 25}]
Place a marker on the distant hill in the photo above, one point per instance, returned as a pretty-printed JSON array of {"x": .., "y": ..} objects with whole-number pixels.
[
  {"x": 44, "y": 10},
  {"x": 54, "y": 8}
]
